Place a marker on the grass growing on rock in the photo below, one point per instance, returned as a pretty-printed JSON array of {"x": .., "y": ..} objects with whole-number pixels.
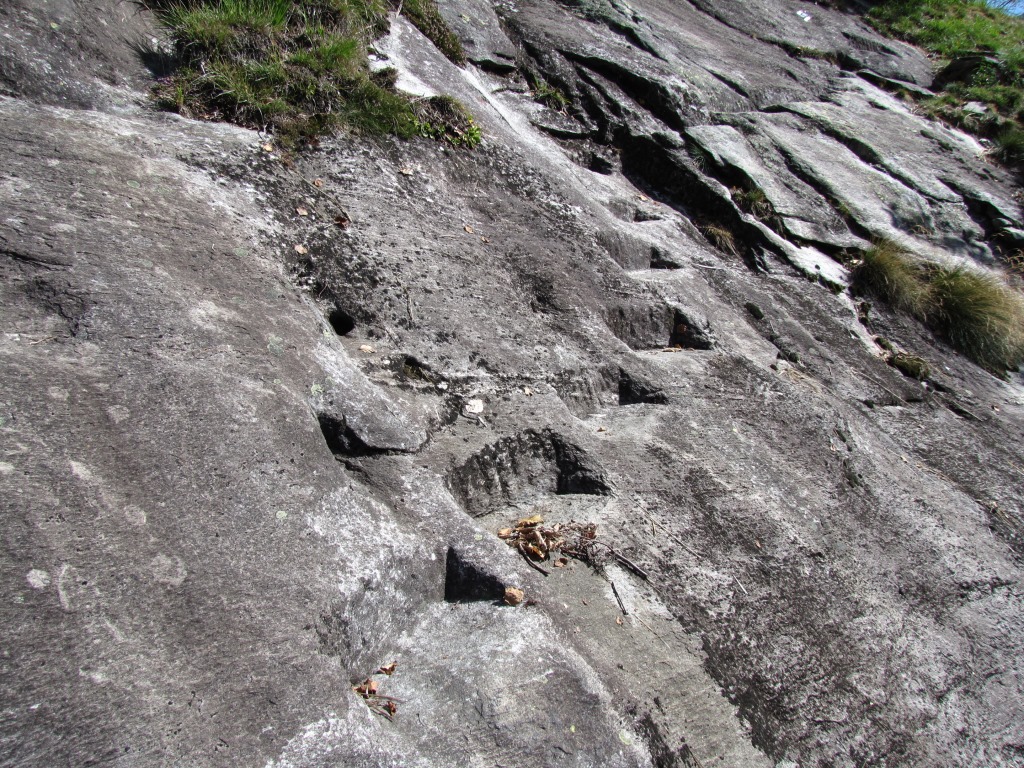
[
  {"x": 978, "y": 313},
  {"x": 985, "y": 46},
  {"x": 888, "y": 272},
  {"x": 297, "y": 67}
]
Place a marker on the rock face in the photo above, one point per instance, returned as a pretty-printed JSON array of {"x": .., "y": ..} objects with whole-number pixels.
[{"x": 238, "y": 477}]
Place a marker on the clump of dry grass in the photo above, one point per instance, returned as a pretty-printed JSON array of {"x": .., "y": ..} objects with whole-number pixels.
[
  {"x": 978, "y": 313},
  {"x": 888, "y": 272}
]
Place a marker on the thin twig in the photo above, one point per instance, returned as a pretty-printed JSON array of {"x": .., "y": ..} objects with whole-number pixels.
[
  {"x": 618, "y": 599},
  {"x": 740, "y": 584},
  {"x": 629, "y": 564},
  {"x": 534, "y": 565},
  {"x": 652, "y": 631},
  {"x": 408, "y": 307},
  {"x": 668, "y": 533}
]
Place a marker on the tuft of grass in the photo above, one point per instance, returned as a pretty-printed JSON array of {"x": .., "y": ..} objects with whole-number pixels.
[
  {"x": 980, "y": 316},
  {"x": 950, "y": 28},
  {"x": 888, "y": 272},
  {"x": 1009, "y": 145},
  {"x": 720, "y": 237},
  {"x": 978, "y": 313},
  {"x": 753, "y": 201},
  {"x": 297, "y": 67},
  {"x": 551, "y": 97}
]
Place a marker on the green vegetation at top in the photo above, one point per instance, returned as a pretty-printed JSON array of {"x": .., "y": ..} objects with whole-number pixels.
[
  {"x": 976, "y": 312},
  {"x": 951, "y": 28},
  {"x": 985, "y": 47},
  {"x": 300, "y": 68}
]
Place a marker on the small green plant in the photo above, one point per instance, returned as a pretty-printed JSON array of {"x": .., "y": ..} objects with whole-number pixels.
[
  {"x": 296, "y": 67},
  {"x": 550, "y": 96},
  {"x": 1015, "y": 263},
  {"x": 911, "y": 366},
  {"x": 1008, "y": 146},
  {"x": 701, "y": 157},
  {"x": 888, "y": 272},
  {"x": 753, "y": 201},
  {"x": 445, "y": 119}
]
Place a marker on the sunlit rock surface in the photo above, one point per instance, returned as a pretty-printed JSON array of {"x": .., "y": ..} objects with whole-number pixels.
[{"x": 236, "y": 479}]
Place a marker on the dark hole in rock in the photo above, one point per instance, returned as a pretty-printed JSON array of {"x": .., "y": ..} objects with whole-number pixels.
[
  {"x": 341, "y": 321},
  {"x": 526, "y": 466},
  {"x": 464, "y": 582},
  {"x": 686, "y": 334},
  {"x": 341, "y": 439},
  {"x": 633, "y": 391}
]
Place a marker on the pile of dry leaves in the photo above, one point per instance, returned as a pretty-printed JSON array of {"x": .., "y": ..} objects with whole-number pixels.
[{"x": 537, "y": 542}]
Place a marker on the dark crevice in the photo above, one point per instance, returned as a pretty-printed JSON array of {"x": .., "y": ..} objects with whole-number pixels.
[
  {"x": 606, "y": 15},
  {"x": 662, "y": 754},
  {"x": 734, "y": 86},
  {"x": 686, "y": 334},
  {"x": 48, "y": 262},
  {"x": 981, "y": 211},
  {"x": 642, "y": 326},
  {"x": 864, "y": 151},
  {"x": 633, "y": 35},
  {"x": 54, "y": 293},
  {"x": 465, "y": 583},
  {"x": 656, "y": 324},
  {"x": 651, "y": 95},
  {"x": 341, "y": 321},
  {"x": 410, "y": 370},
  {"x": 794, "y": 166},
  {"x": 343, "y": 442},
  {"x": 665, "y": 174}
]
